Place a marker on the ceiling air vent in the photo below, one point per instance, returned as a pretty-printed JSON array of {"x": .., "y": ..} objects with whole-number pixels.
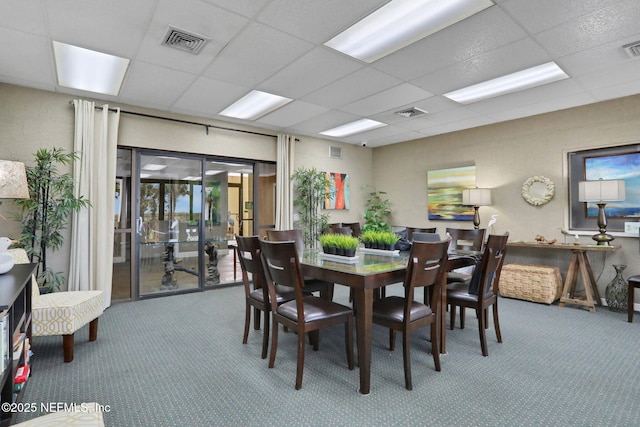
[
  {"x": 411, "y": 112},
  {"x": 335, "y": 152},
  {"x": 183, "y": 40},
  {"x": 632, "y": 49}
]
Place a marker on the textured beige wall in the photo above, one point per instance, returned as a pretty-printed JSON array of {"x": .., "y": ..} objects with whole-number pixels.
[{"x": 505, "y": 155}]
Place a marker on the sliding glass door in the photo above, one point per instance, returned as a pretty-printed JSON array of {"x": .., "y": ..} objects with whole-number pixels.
[{"x": 177, "y": 216}]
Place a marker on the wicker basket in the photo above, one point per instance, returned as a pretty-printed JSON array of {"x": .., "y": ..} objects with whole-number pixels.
[{"x": 537, "y": 283}]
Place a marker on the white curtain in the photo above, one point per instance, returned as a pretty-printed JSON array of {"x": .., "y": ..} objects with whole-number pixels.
[
  {"x": 95, "y": 142},
  {"x": 284, "y": 187}
]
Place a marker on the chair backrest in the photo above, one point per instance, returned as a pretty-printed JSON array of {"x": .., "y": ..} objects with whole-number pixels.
[
  {"x": 356, "y": 230},
  {"x": 248, "y": 250},
  {"x": 419, "y": 236},
  {"x": 340, "y": 230},
  {"x": 282, "y": 268},
  {"x": 464, "y": 239},
  {"x": 411, "y": 230},
  {"x": 294, "y": 235},
  {"x": 426, "y": 267},
  {"x": 491, "y": 266}
]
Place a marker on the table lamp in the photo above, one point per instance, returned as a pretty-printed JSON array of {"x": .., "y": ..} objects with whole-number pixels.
[
  {"x": 13, "y": 185},
  {"x": 600, "y": 192},
  {"x": 476, "y": 197}
]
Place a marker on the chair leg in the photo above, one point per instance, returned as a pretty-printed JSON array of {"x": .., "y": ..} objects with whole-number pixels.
[
  {"x": 67, "y": 348},
  {"x": 462, "y": 316},
  {"x": 496, "y": 322},
  {"x": 265, "y": 336},
  {"x": 406, "y": 355},
  {"x": 314, "y": 338},
  {"x": 435, "y": 346},
  {"x": 274, "y": 343},
  {"x": 247, "y": 321},
  {"x": 452, "y": 317},
  {"x": 483, "y": 335},
  {"x": 256, "y": 319},
  {"x": 392, "y": 339},
  {"x": 300, "y": 363},
  {"x": 93, "y": 329},
  {"x": 630, "y": 303},
  {"x": 348, "y": 330}
]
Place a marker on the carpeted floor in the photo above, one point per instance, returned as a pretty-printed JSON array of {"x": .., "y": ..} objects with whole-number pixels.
[{"x": 179, "y": 361}]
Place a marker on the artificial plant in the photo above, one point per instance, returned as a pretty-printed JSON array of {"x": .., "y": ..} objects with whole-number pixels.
[
  {"x": 48, "y": 211},
  {"x": 377, "y": 212},
  {"x": 311, "y": 187}
]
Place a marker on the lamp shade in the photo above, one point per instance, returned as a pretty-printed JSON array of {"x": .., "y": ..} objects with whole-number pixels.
[
  {"x": 476, "y": 196},
  {"x": 13, "y": 180},
  {"x": 602, "y": 190}
]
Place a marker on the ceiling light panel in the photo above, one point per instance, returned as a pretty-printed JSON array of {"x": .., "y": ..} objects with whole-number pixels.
[
  {"x": 254, "y": 105},
  {"x": 353, "y": 128},
  {"x": 521, "y": 80},
  {"x": 400, "y": 23},
  {"x": 85, "y": 69}
]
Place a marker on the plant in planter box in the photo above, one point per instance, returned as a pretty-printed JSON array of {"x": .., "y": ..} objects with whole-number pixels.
[
  {"x": 327, "y": 241},
  {"x": 368, "y": 238},
  {"x": 390, "y": 239},
  {"x": 347, "y": 244}
]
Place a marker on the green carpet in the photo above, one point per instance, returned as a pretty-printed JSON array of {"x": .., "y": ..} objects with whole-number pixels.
[{"x": 179, "y": 361}]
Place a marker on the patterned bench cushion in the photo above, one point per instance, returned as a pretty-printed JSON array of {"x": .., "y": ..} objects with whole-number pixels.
[
  {"x": 63, "y": 313},
  {"x": 85, "y": 415}
]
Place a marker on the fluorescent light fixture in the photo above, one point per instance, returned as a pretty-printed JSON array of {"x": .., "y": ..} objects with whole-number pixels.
[
  {"x": 154, "y": 167},
  {"x": 145, "y": 175},
  {"x": 400, "y": 23},
  {"x": 213, "y": 172},
  {"x": 254, "y": 105},
  {"x": 521, "y": 80},
  {"x": 192, "y": 178},
  {"x": 85, "y": 69},
  {"x": 353, "y": 128}
]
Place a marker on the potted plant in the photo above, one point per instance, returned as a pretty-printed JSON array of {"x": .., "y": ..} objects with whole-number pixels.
[
  {"x": 349, "y": 245},
  {"x": 48, "y": 211},
  {"x": 327, "y": 241},
  {"x": 310, "y": 186},
  {"x": 377, "y": 212}
]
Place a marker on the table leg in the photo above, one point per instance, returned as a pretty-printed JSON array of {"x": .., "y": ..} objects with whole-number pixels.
[
  {"x": 363, "y": 301},
  {"x": 580, "y": 265},
  {"x": 592, "y": 279},
  {"x": 442, "y": 312}
]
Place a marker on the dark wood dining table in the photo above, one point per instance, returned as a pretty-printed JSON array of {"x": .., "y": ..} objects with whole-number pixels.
[{"x": 367, "y": 274}]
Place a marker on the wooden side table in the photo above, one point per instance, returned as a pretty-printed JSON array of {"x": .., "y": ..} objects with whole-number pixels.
[{"x": 579, "y": 266}]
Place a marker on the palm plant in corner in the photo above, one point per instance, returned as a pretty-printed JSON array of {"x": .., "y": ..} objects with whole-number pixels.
[
  {"x": 311, "y": 188},
  {"x": 47, "y": 213}
]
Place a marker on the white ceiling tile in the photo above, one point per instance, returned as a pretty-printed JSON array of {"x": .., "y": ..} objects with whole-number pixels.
[
  {"x": 531, "y": 109},
  {"x": 27, "y": 16},
  {"x": 247, "y": 8},
  {"x": 616, "y": 91},
  {"x": 597, "y": 28},
  {"x": 321, "y": 122},
  {"x": 382, "y": 101},
  {"x": 160, "y": 87},
  {"x": 623, "y": 73},
  {"x": 292, "y": 113},
  {"x": 209, "y": 97},
  {"x": 257, "y": 53},
  {"x": 383, "y": 132},
  {"x": 353, "y": 87},
  {"x": 312, "y": 71},
  {"x": 28, "y": 57}
]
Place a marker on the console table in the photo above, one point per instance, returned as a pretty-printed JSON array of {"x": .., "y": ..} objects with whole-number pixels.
[{"x": 579, "y": 265}]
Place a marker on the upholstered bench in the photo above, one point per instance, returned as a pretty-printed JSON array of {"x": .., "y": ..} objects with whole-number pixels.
[
  {"x": 536, "y": 283},
  {"x": 62, "y": 313},
  {"x": 84, "y": 414}
]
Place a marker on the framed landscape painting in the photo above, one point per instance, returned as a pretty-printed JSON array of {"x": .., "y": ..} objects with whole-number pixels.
[{"x": 444, "y": 193}]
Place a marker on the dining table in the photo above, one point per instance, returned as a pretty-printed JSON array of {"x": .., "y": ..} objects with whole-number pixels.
[{"x": 365, "y": 274}]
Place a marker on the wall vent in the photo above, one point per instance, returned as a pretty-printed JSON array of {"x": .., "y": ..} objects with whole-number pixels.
[
  {"x": 632, "y": 49},
  {"x": 411, "y": 112},
  {"x": 184, "y": 40},
  {"x": 335, "y": 152}
]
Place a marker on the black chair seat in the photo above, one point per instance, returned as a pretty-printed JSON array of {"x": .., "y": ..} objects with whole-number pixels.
[
  {"x": 314, "y": 309},
  {"x": 464, "y": 295},
  {"x": 282, "y": 295},
  {"x": 392, "y": 309}
]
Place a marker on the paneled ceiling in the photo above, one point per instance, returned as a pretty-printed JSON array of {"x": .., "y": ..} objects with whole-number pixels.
[{"x": 277, "y": 46}]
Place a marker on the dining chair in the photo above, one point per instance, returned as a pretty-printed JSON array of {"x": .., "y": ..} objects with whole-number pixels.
[
  {"x": 356, "y": 230},
  {"x": 463, "y": 295},
  {"x": 426, "y": 268},
  {"x": 310, "y": 285},
  {"x": 306, "y": 314},
  {"x": 465, "y": 241},
  {"x": 247, "y": 249},
  {"x": 340, "y": 230},
  {"x": 411, "y": 230}
]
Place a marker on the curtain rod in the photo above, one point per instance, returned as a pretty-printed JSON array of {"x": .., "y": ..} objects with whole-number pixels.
[{"x": 187, "y": 122}]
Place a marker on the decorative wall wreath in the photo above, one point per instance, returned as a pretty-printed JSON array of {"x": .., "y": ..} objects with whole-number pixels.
[{"x": 535, "y": 200}]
